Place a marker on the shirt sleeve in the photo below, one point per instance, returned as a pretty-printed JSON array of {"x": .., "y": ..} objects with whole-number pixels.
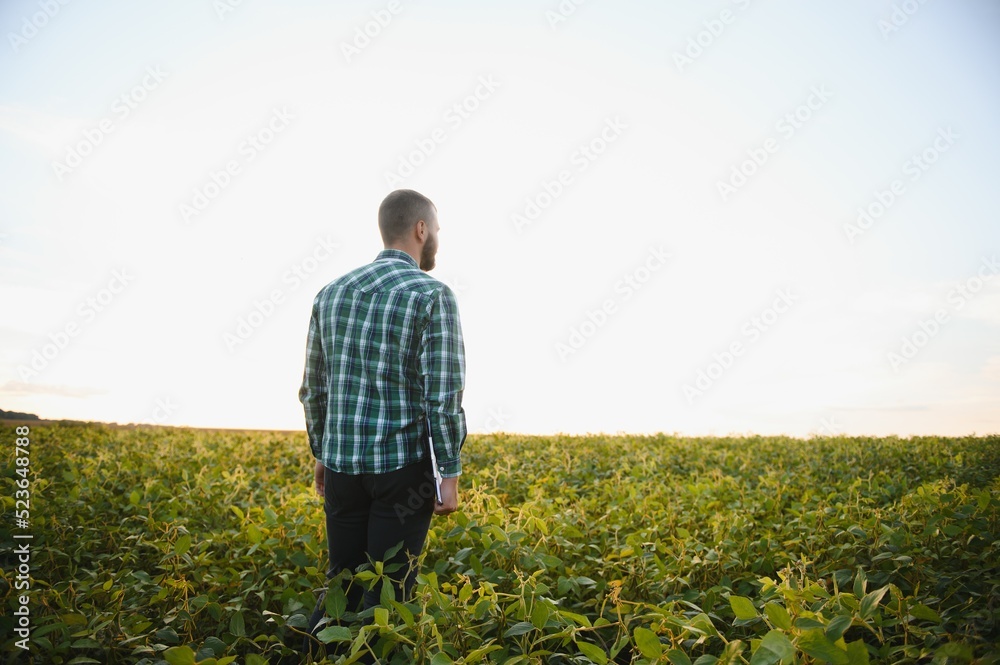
[
  {"x": 442, "y": 368},
  {"x": 312, "y": 394}
]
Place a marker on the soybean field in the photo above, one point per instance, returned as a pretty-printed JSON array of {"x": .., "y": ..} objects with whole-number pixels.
[{"x": 163, "y": 545}]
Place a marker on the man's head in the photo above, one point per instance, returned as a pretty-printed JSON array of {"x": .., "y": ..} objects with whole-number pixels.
[{"x": 408, "y": 221}]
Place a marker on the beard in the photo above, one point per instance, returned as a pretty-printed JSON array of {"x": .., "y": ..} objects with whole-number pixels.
[{"x": 428, "y": 253}]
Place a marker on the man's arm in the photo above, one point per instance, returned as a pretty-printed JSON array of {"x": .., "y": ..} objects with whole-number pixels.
[
  {"x": 442, "y": 367},
  {"x": 312, "y": 394}
]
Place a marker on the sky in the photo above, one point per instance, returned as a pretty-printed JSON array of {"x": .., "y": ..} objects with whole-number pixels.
[{"x": 703, "y": 218}]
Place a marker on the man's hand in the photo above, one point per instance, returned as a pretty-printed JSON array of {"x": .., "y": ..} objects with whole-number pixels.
[
  {"x": 320, "y": 480},
  {"x": 449, "y": 497}
]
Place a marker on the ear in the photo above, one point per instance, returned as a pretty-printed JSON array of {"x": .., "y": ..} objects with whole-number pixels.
[{"x": 421, "y": 229}]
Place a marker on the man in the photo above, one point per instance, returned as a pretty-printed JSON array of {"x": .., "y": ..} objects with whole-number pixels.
[{"x": 385, "y": 359}]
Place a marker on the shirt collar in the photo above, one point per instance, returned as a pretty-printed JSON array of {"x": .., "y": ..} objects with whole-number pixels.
[{"x": 397, "y": 254}]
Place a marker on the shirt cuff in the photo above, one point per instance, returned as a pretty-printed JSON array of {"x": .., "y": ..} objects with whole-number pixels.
[{"x": 450, "y": 468}]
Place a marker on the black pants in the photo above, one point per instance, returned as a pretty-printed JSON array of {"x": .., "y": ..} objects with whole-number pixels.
[{"x": 369, "y": 514}]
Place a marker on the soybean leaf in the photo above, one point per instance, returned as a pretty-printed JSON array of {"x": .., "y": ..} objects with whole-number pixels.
[
  {"x": 519, "y": 628},
  {"x": 871, "y": 601},
  {"x": 648, "y": 643},
  {"x": 921, "y": 611},
  {"x": 298, "y": 620},
  {"x": 857, "y": 653},
  {"x": 539, "y": 615},
  {"x": 254, "y": 534},
  {"x": 592, "y": 652},
  {"x": 334, "y": 634},
  {"x": 837, "y": 627},
  {"x": 179, "y": 656},
  {"x": 236, "y": 625},
  {"x": 335, "y": 601},
  {"x": 816, "y": 644},
  {"x": 774, "y": 648},
  {"x": 183, "y": 544},
  {"x": 743, "y": 607},
  {"x": 778, "y": 616},
  {"x": 404, "y": 612},
  {"x": 678, "y": 657}
]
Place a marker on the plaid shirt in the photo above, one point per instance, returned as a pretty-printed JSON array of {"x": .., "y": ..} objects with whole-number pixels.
[{"x": 384, "y": 349}]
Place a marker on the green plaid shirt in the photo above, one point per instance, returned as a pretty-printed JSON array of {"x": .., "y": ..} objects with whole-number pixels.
[{"x": 384, "y": 348}]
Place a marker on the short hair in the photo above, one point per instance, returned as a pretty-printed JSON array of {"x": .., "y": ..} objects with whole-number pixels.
[{"x": 400, "y": 211}]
